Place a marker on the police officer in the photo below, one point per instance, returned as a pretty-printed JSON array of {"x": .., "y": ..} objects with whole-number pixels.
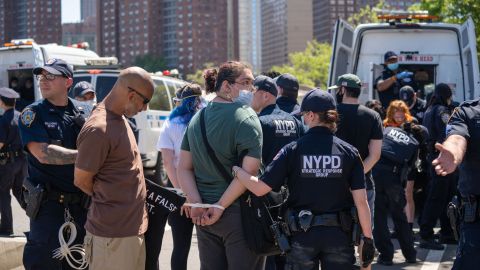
[
  {"x": 279, "y": 128},
  {"x": 325, "y": 179},
  {"x": 13, "y": 164},
  {"x": 416, "y": 105},
  {"x": 388, "y": 84},
  {"x": 84, "y": 91},
  {"x": 49, "y": 129},
  {"x": 441, "y": 188},
  {"x": 462, "y": 149},
  {"x": 287, "y": 92},
  {"x": 399, "y": 152}
]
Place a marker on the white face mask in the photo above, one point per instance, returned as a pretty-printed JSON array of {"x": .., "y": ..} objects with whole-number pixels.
[
  {"x": 305, "y": 126},
  {"x": 2, "y": 111},
  {"x": 245, "y": 97}
]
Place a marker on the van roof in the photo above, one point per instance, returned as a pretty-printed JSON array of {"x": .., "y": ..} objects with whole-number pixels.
[
  {"x": 397, "y": 25},
  {"x": 116, "y": 71}
]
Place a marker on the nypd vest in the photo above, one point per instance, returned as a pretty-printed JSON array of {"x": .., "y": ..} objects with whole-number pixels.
[{"x": 398, "y": 145}]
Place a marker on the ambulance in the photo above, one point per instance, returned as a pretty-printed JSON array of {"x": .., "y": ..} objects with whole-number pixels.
[
  {"x": 435, "y": 53},
  {"x": 19, "y": 57}
]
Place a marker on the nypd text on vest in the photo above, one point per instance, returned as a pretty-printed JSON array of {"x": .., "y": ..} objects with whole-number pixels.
[{"x": 322, "y": 166}]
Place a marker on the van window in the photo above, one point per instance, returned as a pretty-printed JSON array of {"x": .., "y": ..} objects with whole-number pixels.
[
  {"x": 160, "y": 100},
  {"x": 103, "y": 86},
  {"x": 172, "y": 88}
]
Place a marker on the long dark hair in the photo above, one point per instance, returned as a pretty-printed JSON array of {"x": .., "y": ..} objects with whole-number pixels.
[
  {"x": 228, "y": 71},
  {"x": 441, "y": 94}
]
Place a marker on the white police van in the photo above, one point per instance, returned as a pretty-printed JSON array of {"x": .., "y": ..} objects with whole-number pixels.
[
  {"x": 434, "y": 52},
  {"x": 20, "y": 56},
  {"x": 148, "y": 122}
]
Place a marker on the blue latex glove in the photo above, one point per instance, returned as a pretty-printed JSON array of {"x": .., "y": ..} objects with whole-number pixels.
[{"x": 404, "y": 74}]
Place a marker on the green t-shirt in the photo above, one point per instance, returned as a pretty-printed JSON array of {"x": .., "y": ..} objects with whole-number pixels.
[{"x": 231, "y": 128}]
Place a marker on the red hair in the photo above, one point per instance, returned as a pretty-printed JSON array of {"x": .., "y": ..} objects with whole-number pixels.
[{"x": 397, "y": 106}]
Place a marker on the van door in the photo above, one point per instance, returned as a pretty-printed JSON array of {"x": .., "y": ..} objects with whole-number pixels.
[
  {"x": 469, "y": 59},
  {"x": 342, "y": 46},
  {"x": 375, "y": 72}
]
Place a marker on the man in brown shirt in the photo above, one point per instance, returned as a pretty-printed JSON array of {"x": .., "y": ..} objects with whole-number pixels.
[{"x": 109, "y": 168}]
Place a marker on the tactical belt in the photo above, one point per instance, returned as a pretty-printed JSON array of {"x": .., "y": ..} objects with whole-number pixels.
[
  {"x": 327, "y": 220},
  {"x": 10, "y": 154},
  {"x": 64, "y": 197},
  {"x": 393, "y": 168}
]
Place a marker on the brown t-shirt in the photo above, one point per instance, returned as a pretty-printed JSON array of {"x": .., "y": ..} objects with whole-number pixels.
[{"x": 107, "y": 147}]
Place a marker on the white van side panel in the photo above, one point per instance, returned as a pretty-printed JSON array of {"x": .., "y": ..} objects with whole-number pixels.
[
  {"x": 73, "y": 56},
  {"x": 440, "y": 45},
  {"x": 470, "y": 60}
]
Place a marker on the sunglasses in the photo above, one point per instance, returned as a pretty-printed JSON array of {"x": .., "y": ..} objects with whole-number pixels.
[{"x": 145, "y": 99}]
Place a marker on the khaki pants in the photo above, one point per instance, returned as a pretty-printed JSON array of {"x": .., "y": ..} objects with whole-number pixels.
[{"x": 115, "y": 253}]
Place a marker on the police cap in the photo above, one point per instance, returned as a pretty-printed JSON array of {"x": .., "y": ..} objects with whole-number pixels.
[
  {"x": 317, "y": 100},
  {"x": 266, "y": 84},
  {"x": 347, "y": 80},
  {"x": 81, "y": 88},
  {"x": 389, "y": 55},
  {"x": 288, "y": 82},
  {"x": 57, "y": 67},
  {"x": 8, "y": 93},
  {"x": 406, "y": 94}
]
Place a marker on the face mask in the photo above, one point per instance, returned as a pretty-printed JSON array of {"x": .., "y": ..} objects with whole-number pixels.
[
  {"x": 393, "y": 66},
  {"x": 2, "y": 111},
  {"x": 339, "y": 96},
  {"x": 245, "y": 98},
  {"x": 14, "y": 85},
  {"x": 305, "y": 126}
]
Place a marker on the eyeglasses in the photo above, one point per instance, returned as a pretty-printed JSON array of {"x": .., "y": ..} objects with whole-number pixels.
[
  {"x": 145, "y": 99},
  {"x": 49, "y": 77},
  {"x": 246, "y": 83}
]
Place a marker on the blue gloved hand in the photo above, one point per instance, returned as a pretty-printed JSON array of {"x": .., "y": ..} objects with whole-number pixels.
[{"x": 404, "y": 74}]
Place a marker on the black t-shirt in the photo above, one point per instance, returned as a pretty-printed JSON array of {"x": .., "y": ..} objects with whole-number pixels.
[
  {"x": 465, "y": 121},
  {"x": 321, "y": 170},
  {"x": 357, "y": 126}
]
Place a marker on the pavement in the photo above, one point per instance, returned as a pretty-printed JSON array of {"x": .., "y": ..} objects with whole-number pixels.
[{"x": 11, "y": 249}]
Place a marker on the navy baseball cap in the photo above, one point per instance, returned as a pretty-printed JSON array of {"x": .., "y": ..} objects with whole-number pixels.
[
  {"x": 8, "y": 93},
  {"x": 318, "y": 100},
  {"x": 81, "y": 88},
  {"x": 406, "y": 94},
  {"x": 287, "y": 82},
  {"x": 389, "y": 55},
  {"x": 56, "y": 67},
  {"x": 266, "y": 84}
]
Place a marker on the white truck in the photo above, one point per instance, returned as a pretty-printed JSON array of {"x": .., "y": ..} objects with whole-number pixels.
[
  {"x": 434, "y": 52},
  {"x": 19, "y": 57}
]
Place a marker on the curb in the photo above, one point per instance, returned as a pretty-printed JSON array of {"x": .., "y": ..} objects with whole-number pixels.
[{"x": 11, "y": 252}]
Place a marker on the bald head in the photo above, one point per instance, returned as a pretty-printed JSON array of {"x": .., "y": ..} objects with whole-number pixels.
[{"x": 137, "y": 78}]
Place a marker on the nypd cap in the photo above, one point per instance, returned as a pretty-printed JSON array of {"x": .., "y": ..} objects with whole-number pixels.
[
  {"x": 56, "y": 67},
  {"x": 406, "y": 94},
  {"x": 8, "y": 93},
  {"x": 266, "y": 84},
  {"x": 317, "y": 100},
  {"x": 81, "y": 88},
  {"x": 287, "y": 82}
]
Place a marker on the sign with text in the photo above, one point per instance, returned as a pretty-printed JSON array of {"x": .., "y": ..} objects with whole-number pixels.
[
  {"x": 162, "y": 201},
  {"x": 417, "y": 58}
]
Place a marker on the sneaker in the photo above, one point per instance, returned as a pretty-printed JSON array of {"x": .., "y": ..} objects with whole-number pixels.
[{"x": 431, "y": 244}]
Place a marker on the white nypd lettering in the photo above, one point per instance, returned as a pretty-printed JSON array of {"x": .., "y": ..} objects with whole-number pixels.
[
  {"x": 284, "y": 128},
  {"x": 398, "y": 136},
  {"x": 322, "y": 166}
]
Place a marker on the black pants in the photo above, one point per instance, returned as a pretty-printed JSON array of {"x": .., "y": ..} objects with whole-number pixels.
[
  {"x": 390, "y": 200},
  {"x": 440, "y": 192},
  {"x": 182, "y": 229},
  {"x": 329, "y": 246},
  {"x": 468, "y": 252},
  {"x": 11, "y": 178}
]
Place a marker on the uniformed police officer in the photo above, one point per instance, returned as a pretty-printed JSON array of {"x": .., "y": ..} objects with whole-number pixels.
[
  {"x": 441, "y": 188},
  {"x": 399, "y": 152},
  {"x": 389, "y": 83},
  {"x": 49, "y": 129},
  {"x": 462, "y": 149},
  {"x": 325, "y": 180},
  {"x": 416, "y": 105},
  {"x": 279, "y": 128},
  {"x": 13, "y": 164},
  {"x": 287, "y": 86}
]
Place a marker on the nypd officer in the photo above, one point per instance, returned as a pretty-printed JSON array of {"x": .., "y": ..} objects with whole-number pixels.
[
  {"x": 325, "y": 180},
  {"x": 462, "y": 149},
  {"x": 399, "y": 152},
  {"x": 49, "y": 129},
  {"x": 441, "y": 188},
  {"x": 13, "y": 164},
  {"x": 416, "y": 105}
]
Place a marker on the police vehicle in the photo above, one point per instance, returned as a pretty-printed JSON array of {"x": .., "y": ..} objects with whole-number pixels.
[
  {"x": 434, "y": 52},
  {"x": 20, "y": 56},
  {"x": 148, "y": 122}
]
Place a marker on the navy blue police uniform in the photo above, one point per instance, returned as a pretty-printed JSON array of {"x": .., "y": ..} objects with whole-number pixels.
[
  {"x": 441, "y": 189},
  {"x": 289, "y": 84},
  {"x": 465, "y": 121},
  {"x": 418, "y": 110},
  {"x": 399, "y": 150},
  {"x": 43, "y": 122},
  {"x": 320, "y": 170},
  {"x": 13, "y": 167}
]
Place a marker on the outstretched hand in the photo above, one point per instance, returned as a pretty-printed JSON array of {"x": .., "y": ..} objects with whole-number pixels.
[{"x": 445, "y": 162}]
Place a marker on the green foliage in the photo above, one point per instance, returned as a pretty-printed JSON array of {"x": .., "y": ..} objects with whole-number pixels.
[
  {"x": 150, "y": 62},
  {"x": 197, "y": 77},
  {"x": 367, "y": 14},
  {"x": 310, "y": 66}
]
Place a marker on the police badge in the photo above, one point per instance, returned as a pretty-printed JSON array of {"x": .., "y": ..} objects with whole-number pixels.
[{"x": 27, "y": 117}]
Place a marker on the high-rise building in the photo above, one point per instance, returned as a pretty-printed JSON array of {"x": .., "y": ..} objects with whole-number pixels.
[
  {"x": 249, "y": 33},
  {"x": 326, "y": 13},
  {"x": 84, "y": 31},
  {"x": 287, "y": 26},
  {"x": 186, "y": 34},
  {"x": 40, "y": 20},
  {"x": 88, "y": 8}
]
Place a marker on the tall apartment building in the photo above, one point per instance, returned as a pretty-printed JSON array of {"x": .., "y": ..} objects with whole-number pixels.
[
  {"x": 287, "y": 26},
  {"x": 84, "y": 31},
  {"x": 88, "y": 8},
  {"x": 37, "y": 19},
  {"x": 186, "y": 34},
  {"x": 249, "y": 33},
  {"x": 326, "y": 12}
]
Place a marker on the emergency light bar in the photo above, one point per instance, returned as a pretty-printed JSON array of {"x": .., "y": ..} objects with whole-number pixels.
[
  {"x": 101, "y": 61},
  {"x": 19, "y": 42},
  {"x": 403, "y": 15}
]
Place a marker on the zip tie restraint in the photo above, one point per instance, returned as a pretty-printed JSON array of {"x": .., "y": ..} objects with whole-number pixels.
[{"x": 204, "y": 205}]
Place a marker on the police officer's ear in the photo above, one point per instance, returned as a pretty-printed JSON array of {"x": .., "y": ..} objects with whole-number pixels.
[{"x": 69, "y": 82}]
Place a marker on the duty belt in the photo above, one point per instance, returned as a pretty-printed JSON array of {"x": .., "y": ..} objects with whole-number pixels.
[
  {"x": 10, "y": 154},
  {"x": 328, "y": 220},
  {"x": 392, "y": 168},
  {"x": 64, "y": 197}
]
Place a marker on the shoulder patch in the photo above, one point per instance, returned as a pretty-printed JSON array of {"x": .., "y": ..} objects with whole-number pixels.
[
  {"x": 445, "y": 117},
  {"x": 27, "y": 117}
]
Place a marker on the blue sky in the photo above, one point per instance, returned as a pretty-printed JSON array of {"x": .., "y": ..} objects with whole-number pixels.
[{"x": 70, "y": 11}]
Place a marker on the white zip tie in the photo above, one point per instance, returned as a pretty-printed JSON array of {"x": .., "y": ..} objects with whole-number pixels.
[
  {"x": 65, "y": 251},
  {"x": 204, "y": 205}
]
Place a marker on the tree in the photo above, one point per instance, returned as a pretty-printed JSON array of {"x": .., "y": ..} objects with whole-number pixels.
[
  {"x": 310, "y": 66},
  {"x": 367, "y": 14},
  {"x": 197, "y": 77},
  {"x": 150, "y": 62}
]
